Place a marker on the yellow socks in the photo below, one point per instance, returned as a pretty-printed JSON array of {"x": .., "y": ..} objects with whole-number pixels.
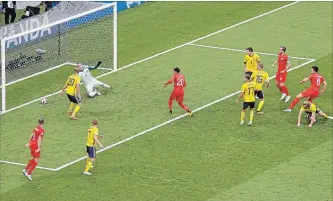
[
  {"x": 242, "y": 116},
  {"x": 251, "y": 114},
  {"x": 71, "y": 107},
  {"x": 261, "y": 103},
  {"x": 88, "y": 166},
  {"x": 77, "y": 108},
  {"x": 325, "y": 115}
]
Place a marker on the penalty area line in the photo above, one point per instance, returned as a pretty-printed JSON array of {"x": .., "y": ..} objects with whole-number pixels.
[
  {"x": 167, "y": 122},
  {"x": 21, "y": 164}
]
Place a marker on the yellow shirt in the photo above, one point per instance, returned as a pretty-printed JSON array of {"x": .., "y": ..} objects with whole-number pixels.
[
  {"x": 260, "y": 78},
  {"x": 248, "y": 91},
  {"x": 251, "y": 62},
  {"x": 92, "y": 132},
  {"x": 313, "y": 108},
  {"x": 72, "y": 83}
]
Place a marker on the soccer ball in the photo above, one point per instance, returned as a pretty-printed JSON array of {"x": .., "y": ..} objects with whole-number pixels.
[{"x": 43, "y": 100}]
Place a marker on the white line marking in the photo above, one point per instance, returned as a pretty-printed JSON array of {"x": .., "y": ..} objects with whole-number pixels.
[
  {"x": 20, "y": 164},
  {"x": 237, "y": 50},
  {"x": 168, "y": 122},
  {"x": 164, "y": 52}
]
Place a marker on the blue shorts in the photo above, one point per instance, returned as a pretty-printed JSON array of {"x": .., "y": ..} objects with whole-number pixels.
[
  {"x": 91, "y": 152},
  {"x": 259, "y": 94}
]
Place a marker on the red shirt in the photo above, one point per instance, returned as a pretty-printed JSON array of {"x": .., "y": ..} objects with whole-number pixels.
[
  {"x": 37, "y": 132},
  {"x": 179, "y": 82},
  {"x": 316, "y": 80},
  {"x": 283, "y": 60}
]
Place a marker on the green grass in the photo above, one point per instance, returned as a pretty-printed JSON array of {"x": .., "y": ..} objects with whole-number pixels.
[{"x": 207, "y": 157}]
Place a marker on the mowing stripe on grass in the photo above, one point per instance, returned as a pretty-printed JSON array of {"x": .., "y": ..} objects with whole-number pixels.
[
  {"x": 237, "y": 50},
  {"x": 164, "y": 52},
  {"x": 168, "y": 122}
]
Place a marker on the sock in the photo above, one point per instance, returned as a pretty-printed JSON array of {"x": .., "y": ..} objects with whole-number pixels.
[
  {"x": 242, "y": 116},
  {"x": 295, "y": 101},
  {"x": 87, "y": 161},
  {"x": 170, "y": 104},
  {"x": 280, "y": 88},
  {"x": 251, "y": 114},
  {"x": 29, "y": 164},
  {"x": 32, "y": 167},
  {"x": 71, "y": 107},
  {"x": 285, "y": 90},
  {"x": 184, "y": 107},
  {"x": 77, "y": 108},
  {"x": 261, "y": 103},
  {"x": 325, "y": 116},
  {"x": 88, "y": 166}
]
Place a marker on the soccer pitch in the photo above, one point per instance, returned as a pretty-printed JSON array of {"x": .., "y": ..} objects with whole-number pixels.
[{"x": 208, "y": 157}]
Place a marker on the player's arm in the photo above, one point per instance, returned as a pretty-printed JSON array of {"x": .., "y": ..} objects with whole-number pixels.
[
  {"x": 64, "y": 88},
  {"x": 95, "y": 67},
  {"x": 276, "y": 61},
  {"x": 241, "y": 95},
  {"x": 28, "y": 144},
  {"x": 169, "y": 82},
  {"x": 77, "y": 90},
  {"x": 288, "y": 65},
  {"x": 96, "y": 137},
  {"x": 258, "y": 60},
  {"x": 324, "y": 87},
  {"x": 304, "y": 80},
  {"x": 245, "y": 61},
  {"x": 267, "y": 81},
  {"x": 39, "y": 143},
  {"x": 300, "y": 116},
  {"x": 313, "y": 118}
]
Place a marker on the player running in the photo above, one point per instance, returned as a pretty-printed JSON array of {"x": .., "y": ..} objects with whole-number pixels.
[
  {"x": 311, "y": 110},
  {"x": 284, "y": 64},
  {"x": 251, "y": 60},
  {"x": 91, "y": 150},
  {"x": 72, "y": 88},
  {"x": 89, "y": 81},
  {"x": 247, "y": 93},
  {"x": 312, "y": 92},
  {"x": 35, "y": 142},
  {"x": 178, "y": 90},
  {"x": 260, "y": 77}
]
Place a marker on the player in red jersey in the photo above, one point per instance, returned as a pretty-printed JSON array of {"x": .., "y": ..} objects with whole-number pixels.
[
  {"x": 178, "y": 90},
  {"x": 34, "y": 143},
  {"x": 281, "y": 74},
  {"x": 313, "y": 91}
]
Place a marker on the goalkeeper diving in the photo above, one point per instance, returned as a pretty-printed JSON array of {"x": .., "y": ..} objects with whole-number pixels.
[{"x": 89, "y": 81}]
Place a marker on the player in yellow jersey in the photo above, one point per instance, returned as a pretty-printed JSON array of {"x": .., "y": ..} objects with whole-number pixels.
[
  {"x": 260, "y": 77},
  {"x": 72, "y": 88},
  {"x": 91, "y": 150},
  {"x": 247, "y": 93},
  {"x": 311, "y": 110},
  {"x": 251, "y": 61}
]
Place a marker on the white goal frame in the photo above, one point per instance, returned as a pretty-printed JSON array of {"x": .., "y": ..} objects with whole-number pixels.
[{"x": 3, "y": 48}]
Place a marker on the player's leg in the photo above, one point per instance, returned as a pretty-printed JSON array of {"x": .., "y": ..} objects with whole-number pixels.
[
  {"x": 91, "y": 91},
  {"x": 77, "y": 107},
  {"x": 252, "y": 104},
  {"x": 91, "y": 156},
  {"x": 32, "y": 150},
  {"x": 71, "y": 105},
  {"x": 301, "y": 95},
  {"x": 277, "y": 83},
  {"x": 261, "y": 102},
  {"x": 180, "y": 99},
  {"x": 173, "y": 96},
  {"x": 313, "y": 95},
  {"x": 245, "y": 105},
  {"x": 102, "y": 84},
  {"x": 321, "y": 113},
  {"x": 284, "y": 88}
]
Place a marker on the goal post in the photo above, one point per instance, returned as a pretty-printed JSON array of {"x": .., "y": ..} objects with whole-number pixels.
[{"x": 72, "y": 32}]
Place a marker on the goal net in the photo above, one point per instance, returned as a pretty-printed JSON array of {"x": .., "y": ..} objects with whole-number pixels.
[{"x": 72, "y": 32}]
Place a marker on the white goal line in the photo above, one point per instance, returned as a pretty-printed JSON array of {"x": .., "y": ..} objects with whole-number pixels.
[
  {"x": 238, "y": 50},
  {"x": 168, "y": 122},
  {"x": 21, "y": 164}
]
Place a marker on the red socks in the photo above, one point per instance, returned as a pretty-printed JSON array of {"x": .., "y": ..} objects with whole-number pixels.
[
  {"x": 32, "y": 167},
  {"x": 29, "y": 164},
  {"x": 295, "y": 101},
  {"x": 170, "y": 104},
  {"x": 284, "y": 89},
  {"x": 183, "y": 106}
]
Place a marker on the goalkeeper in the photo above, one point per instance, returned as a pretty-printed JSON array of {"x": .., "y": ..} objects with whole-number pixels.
[{"x": 89, "y": 81}]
